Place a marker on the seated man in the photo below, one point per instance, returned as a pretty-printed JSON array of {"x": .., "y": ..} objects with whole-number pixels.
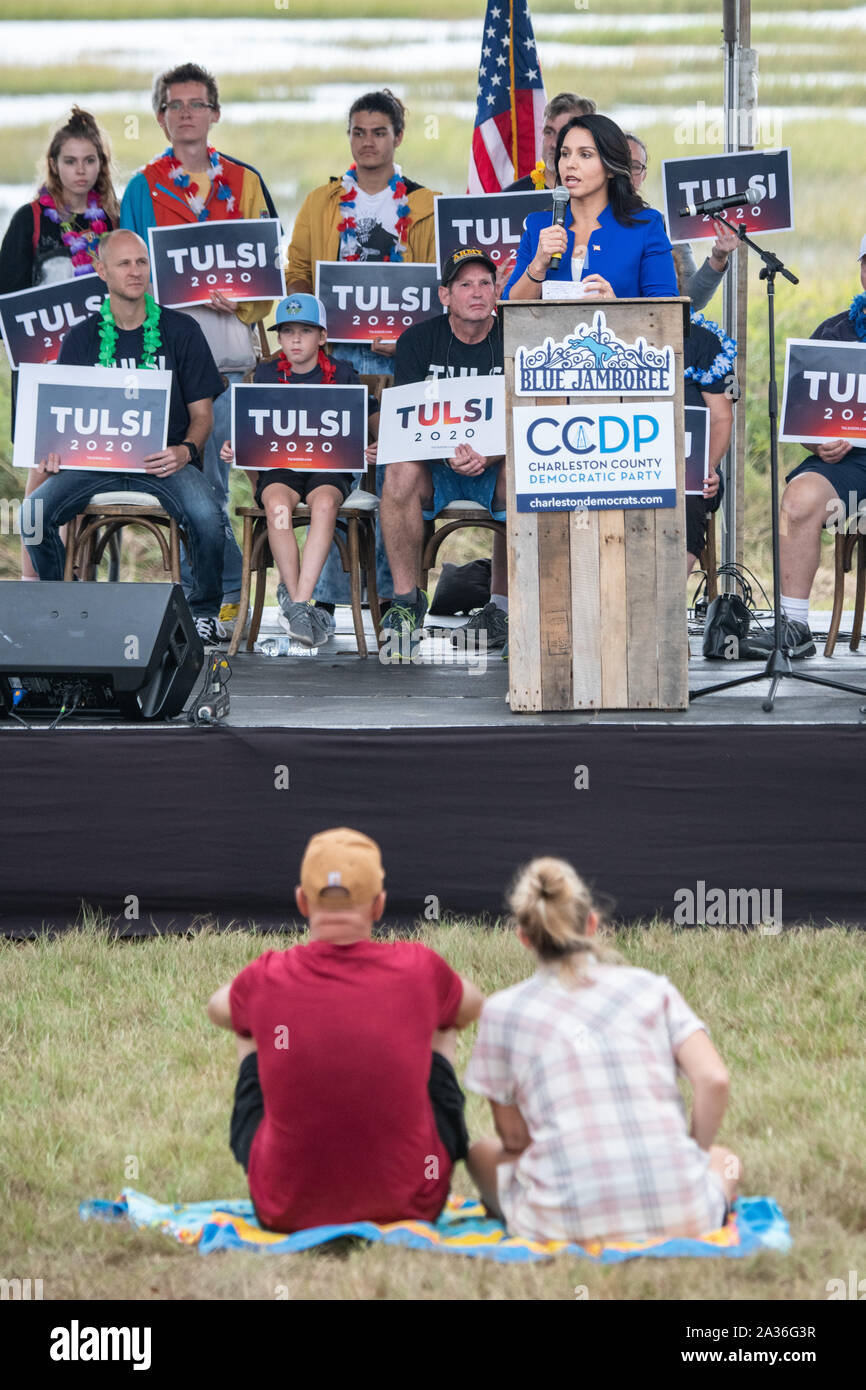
[
  {"x": 131, "y": 331},
  {"x": 347, "y": 1105},
  {"x": 835, "y": 468},
  {"x": 465, "y": 342}
]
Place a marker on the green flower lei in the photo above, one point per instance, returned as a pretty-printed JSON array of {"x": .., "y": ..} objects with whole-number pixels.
[{"x": 108, "y": 334}]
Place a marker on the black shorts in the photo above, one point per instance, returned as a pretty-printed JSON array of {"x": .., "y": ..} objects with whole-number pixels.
[
  {"x": 304, "y": 483},
  {"x": 848, "y": 476},
  {"x": 446, "y": 1097}
]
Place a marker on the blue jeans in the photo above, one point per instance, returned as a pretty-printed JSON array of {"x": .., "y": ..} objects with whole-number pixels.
[
  {"x": 217, "y": 474},
  {"x": 185, "y": 495}
]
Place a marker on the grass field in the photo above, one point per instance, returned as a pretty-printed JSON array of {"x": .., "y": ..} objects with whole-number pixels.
[{"x": 109, "y": 1066}]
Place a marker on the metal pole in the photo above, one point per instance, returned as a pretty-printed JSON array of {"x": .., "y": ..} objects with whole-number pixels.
[{"x": 740, "y": 105}]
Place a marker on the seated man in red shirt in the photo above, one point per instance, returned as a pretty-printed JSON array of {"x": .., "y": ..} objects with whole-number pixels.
[{"x": 341, "y": 1114}]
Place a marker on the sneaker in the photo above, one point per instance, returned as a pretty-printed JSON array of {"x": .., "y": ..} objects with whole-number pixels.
[
  {"x": 797, "y": 641},
  {"x": 323, "y": 624},
  {"x": 404, "y": 619},
  {"x": 306, "y": 624},
  {"x": 229, "y": 616},
  {"x": 489, "y": 619},
  {"x": 211, "y": 631},
  {"x": 283, "y": 598}
]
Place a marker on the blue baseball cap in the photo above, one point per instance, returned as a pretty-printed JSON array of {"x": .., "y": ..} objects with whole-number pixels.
[{"x": 300, "y": 308}]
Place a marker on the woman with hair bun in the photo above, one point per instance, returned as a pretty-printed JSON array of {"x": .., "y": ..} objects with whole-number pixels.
[
  {"x": 580, "y": 1066},
  {"x": 56, "y": 235}
]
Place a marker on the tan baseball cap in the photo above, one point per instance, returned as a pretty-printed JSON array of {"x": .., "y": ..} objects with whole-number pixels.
[{"x": 343, "y": 859}]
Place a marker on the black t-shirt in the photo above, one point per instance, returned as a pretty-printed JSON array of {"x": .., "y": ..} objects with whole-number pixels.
[
  {"x": 183, "y": 352},
  {"x": 267, "y": 374},
  {"x": 700, "y": 350},
  {"x": 838, "y": 329},
  {"x": 431, "y": 349},
  {"x": 524, "y": 185}
]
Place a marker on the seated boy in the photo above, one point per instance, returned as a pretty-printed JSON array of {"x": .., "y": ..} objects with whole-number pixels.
[
  {"x": 301, "y": 324},
  {"x": 347, "y": 1105}
]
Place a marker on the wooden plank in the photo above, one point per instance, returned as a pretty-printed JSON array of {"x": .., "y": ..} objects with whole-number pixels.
[
  {"x": 640, "y": 587},
  {"x": 524, "y": 619},
  {"x": 612, "y": 609},
  {"x": 554, "y": 582},
  {"x": 671, "y": 621},
  {"x": 585, "y": 609}
]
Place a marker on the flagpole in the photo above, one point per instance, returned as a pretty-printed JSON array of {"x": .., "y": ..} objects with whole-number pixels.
[{"x": 513, "y": 93}]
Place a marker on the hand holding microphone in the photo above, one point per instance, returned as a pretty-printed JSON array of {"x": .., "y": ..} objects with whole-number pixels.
[{"x": 552, "y": 240}]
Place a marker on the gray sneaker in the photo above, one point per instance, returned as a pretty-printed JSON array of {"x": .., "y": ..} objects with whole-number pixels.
[
  {"x": 322, "y": 623},
  {"x": 283, "y": 598},
  {"x": 490, "y": 620},
  {"x": 297, "y": 621},
  {"x": 306, "y": 624}
]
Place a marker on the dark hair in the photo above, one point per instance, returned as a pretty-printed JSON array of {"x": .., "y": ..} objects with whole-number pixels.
[
  {"x": 386, "y": 104},
  {"x": 185, "y": 72},
  {"x": 615, "y": 156},
  {"x": 569, "y": 101},
  {"x": 82, "y": 126}
]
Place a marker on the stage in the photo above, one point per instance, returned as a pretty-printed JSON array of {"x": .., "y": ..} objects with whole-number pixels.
[{"x": 169, "y": 826}]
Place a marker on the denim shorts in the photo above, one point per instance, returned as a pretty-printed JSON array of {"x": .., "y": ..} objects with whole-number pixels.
[{"x": 449, "y": 486}]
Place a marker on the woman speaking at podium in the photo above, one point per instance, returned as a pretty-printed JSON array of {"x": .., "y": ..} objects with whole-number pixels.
[{"x": 611, "y": 240}]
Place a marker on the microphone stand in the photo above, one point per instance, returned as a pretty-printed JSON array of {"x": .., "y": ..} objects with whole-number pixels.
[{"x": 778, "y": 667}]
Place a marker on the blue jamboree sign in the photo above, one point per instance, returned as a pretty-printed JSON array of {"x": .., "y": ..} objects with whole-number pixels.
[
  {"x": 578, "y": 456},
  {"x": 594, "y": 362}
]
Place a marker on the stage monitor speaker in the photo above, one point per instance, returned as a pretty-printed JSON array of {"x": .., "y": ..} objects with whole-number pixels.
[{"x": 97, "y": 648}]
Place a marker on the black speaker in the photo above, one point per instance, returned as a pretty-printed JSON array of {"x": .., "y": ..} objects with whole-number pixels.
[{"x": 97, "y": 648}]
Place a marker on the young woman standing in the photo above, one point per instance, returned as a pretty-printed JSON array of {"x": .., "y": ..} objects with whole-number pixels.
[{"x": 55, "y": 236}]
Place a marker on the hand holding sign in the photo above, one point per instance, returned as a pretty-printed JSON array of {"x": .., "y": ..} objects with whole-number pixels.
[
  {"x": 167, "y": 461},
  {"x": 468, "y": 461}
]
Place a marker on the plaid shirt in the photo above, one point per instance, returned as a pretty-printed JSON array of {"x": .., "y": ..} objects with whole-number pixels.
[{"x": 592, "y": 1072}]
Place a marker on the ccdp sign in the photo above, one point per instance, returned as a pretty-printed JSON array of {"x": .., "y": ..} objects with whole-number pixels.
[
  {"x": 300, "y": 427},
  {"x": 586, "y": 456}
]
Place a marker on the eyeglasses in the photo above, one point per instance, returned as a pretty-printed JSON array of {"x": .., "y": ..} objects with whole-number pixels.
[
  {"x": 637, "y": 167},
  {"x": 196, "y": 106}
]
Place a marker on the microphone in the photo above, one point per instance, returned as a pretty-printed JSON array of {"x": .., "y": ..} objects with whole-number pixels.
[
  {"x": 733, "y": 200},
  {"x": 561, "y": 199}
]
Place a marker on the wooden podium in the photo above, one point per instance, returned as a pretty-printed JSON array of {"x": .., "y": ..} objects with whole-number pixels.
[{"x": 597, "y": 599}]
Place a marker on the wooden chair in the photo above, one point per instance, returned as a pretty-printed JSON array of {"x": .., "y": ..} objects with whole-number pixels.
[
  {"x": 707, "y": 559},
  {"x": 845, "y": 545},
  {"x": 357, "y": 549},
  {"x": 456, "y": 516},
  {"x": 105, "y": 515}
]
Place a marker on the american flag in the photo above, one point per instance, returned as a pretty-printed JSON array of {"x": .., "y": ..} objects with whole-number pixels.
[{"x": 506, "y": 141}]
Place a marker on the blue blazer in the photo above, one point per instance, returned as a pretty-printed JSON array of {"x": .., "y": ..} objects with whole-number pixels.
[{"x": 636, "y": 260}]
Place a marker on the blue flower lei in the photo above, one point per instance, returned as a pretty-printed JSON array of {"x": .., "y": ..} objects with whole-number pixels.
[
  {"x": 348, "y": 239},
  {"x": 857, "y": 316},
  {"x": 724, "y": 362},
  {"x": 183, "y": 180}
]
